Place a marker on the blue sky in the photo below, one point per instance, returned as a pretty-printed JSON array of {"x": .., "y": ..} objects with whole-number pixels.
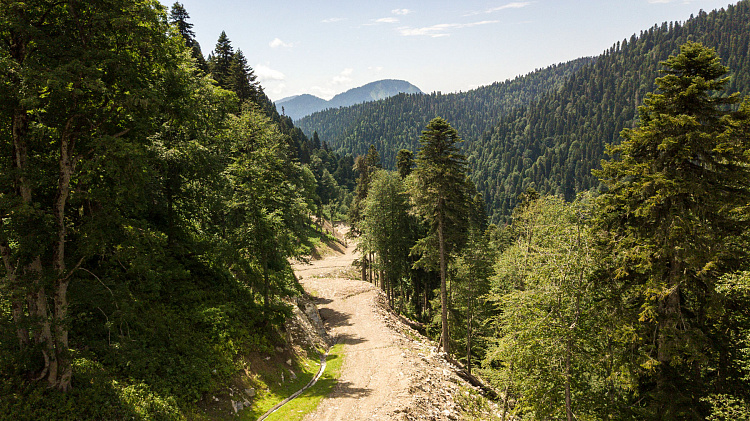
[{"x": 324, "y": 48}]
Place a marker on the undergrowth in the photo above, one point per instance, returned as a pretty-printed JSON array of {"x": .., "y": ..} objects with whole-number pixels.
[{"x": 308, "y": 401}]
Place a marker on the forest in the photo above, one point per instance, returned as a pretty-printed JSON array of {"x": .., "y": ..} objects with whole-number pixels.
[
  {"x": 151, "y": 200},
  {"x": 577, "y": 237},
  {"x": 626, "y": 303},
  {"x": 546, "y": 130}
]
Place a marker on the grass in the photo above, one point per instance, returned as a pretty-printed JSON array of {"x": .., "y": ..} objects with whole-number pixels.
[{"x": 306, "y": 402}]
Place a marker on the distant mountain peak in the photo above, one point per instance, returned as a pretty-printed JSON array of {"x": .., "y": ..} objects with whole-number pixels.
[{"x": 299, "y": 106}]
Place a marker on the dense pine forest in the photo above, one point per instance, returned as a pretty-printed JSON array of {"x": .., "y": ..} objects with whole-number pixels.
[
  {"x": 626, "y": 303},
  {"x": 546, "y": 130},
  {"x": 395, "y": 123},
  {"x": 152, "y": 200}
]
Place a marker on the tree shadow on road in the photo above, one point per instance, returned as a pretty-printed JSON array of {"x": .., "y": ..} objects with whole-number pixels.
[
  {"x": 319, "y": 301},
  {"x": 349, "y": 339},
  {"x": 333, "y": 318}
]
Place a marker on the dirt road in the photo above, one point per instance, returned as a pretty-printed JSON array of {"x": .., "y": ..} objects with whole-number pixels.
[{"x": 389, "y": 371}]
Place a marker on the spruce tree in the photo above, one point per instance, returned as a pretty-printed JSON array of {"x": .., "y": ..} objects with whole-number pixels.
[
  {"x": 178, "y": 17},
  {"x": 404, "y": 162},
  {"x": 675, "y": 190},
  {"x": 441, "y": 190},
  {"x": 220, "y": 61},
  {"x": 242, "y": 79}
]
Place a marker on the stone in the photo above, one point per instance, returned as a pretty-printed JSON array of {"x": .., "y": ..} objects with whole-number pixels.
[{"x": 250, "y": 392}]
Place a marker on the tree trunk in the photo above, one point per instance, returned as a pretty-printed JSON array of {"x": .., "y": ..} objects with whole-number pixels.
[
  {"x": 61, "y": 369},
  {"x": 669, "y": 309},
  {"x": 568, "y": 405},
  {"x": 468, "y": 342},
  {"x": 469, "y": 318},
  {"x": 266, "y": 284},
  {"x": 443, "y": 288}
]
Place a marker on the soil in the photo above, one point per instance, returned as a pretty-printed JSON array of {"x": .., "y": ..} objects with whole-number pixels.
[{"x": 390, "y": 371}]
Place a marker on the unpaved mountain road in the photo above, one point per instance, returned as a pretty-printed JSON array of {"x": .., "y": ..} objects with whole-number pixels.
[{"x": 390, "y": 372}]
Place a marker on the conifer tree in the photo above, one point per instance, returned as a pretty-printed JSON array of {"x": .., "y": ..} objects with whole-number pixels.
[
  {"x": 404, "y": 162},
  {"x": 242, "y": 79},
  {"x": 178, "y": 17},
  {"x": 676, "y": 186},
  {"x": 441, "y": 190},
  {"x": 220, "y": 61}
]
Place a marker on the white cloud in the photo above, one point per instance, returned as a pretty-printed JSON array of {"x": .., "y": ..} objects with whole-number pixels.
[
  {"x": 401, "y": 11},
  {"x": 276, "y": 43},
  {"x": 514, "y": 5},
  {"x": 386, "y": 20},
  {"x": 266, "y": 73},
  {"x": 343, "y": 77},
  {"x": 278, "y": 89},
  {"x": 332, "y": 20},
  {"x": 376, "y": 68},
  {"x": 440, "y": 30}
]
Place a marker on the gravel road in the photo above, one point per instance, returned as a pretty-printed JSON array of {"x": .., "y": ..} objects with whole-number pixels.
[{"x": 390, "y": 372}]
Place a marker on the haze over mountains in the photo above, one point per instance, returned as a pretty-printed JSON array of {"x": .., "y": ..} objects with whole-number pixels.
[{"x": 300, "y": 106}]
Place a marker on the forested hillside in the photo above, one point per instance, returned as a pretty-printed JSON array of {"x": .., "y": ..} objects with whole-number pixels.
[
  {"x": 545, "y": 130},
  {"x": 553, "y": 144},
  {"x": 395, "y": 123},
  {"x": 628, "y": 303},
  {"x": 150, "y": 201}
]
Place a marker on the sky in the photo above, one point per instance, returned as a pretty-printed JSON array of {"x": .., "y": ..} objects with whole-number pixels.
[{"x": 325, "y": 48}]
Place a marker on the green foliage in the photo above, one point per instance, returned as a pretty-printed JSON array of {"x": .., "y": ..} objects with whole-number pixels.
[
  {"x": 673, "y": 213},
  {"x": 394, "y": 123},
  {"x": 471, "y": 271},
  {"x": 386, "y": 230},
  {"x": 725, "y": 408},
  {"x": 549, "y": 353},
  {"x": 151, "y": 213}
]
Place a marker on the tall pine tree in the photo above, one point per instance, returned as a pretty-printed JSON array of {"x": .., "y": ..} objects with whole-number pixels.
[{"x": 441, "y": 192}]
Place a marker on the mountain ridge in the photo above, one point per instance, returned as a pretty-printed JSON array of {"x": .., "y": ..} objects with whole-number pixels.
[
  {"x": 546, "y": 130},
  {"x": 299, "y": 106}
]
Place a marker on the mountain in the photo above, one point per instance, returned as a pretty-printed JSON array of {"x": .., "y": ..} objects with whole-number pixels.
[
  {"x": 553, "y": 144},
  {"x": 395, "y": 123},
  {"x": 299, "y": 106},
  {"x": 546, "y": 130}
]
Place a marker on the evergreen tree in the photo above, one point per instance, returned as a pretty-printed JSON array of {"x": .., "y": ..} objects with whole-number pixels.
[
  {"x": 441, "y": 190},
  {"x": 242, "y": 79},
  {"x": 178, "y": 17},
  {"x": 220, "y": 61},
  {"x": 675, "y": 191},
  {"x": 404, "y": 162}
]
